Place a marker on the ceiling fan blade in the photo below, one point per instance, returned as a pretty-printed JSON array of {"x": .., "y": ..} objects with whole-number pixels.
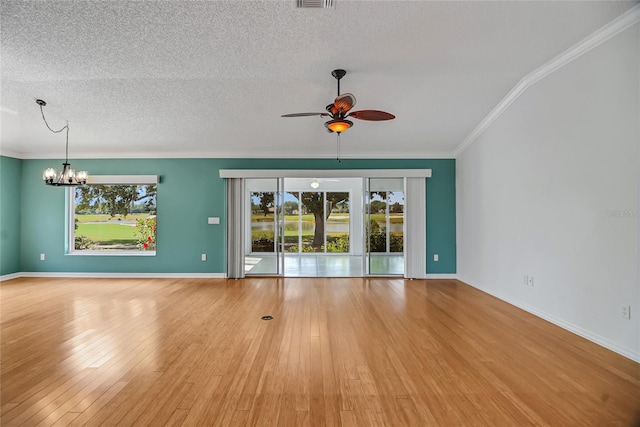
[
  {"x": 372, "y": 115},
  {"x": 305, "y": 115},
  {"x": 345, "y": 102}
]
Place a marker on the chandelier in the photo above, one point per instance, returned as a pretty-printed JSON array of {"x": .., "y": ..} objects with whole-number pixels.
[{"x": 66, "y": 177}]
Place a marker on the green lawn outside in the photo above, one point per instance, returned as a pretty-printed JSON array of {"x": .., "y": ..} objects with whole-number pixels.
[
  {"x": 104, "y": 218},
  {"x": 108, "y": 234},
  {"x": 379, "y": 218},
  {"x": 291, "y": 228},
  {"x": 269, "y": 218}
]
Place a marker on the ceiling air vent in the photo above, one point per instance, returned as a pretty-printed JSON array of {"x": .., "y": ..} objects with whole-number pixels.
[{"x": 324, "y": 4}]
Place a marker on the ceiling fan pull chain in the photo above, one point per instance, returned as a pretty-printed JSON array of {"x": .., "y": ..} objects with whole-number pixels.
[{"x": 338, "y": 148}]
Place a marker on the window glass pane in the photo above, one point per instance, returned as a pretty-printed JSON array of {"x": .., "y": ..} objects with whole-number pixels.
[
  {"x": 396, "y": 221},
  {"x": 262, "y": 221},
  {"x": 292, "y": 217},
  {"x": 115, "y": 218},
  {"x": 377, "y": 227},
  {"x": 337, "y": 224},
  {"x": 312, "y": 222}
]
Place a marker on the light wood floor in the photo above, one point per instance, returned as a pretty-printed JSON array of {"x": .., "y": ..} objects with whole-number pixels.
[{"x": 339, "y": 352}]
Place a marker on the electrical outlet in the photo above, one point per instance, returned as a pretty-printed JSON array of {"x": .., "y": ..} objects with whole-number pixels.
[
  {"x": 626, "y": 312},
  {"x": 436, "y": 257},
  {"x": 203, "y": 257},
  {"x": 41, "y": 257}
]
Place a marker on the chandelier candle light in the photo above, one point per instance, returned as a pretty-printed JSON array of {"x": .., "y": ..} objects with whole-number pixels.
[{"x": 67, "y": 177}]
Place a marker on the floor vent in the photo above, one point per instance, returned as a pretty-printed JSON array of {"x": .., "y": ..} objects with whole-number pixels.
[{"x": 323, "y": 4}]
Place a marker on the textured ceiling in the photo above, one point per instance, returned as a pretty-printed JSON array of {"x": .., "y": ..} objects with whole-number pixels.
[{"x": 211, "y": 79}]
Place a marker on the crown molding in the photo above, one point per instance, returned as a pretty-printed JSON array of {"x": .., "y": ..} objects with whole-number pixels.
[
  {"x": 613, "y": 28},
  {"x": 14, "y": 154},
  {"x": 229, "y": 155}
]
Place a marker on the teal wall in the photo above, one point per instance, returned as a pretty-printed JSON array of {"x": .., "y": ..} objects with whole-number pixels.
[
  {"x": 191, "y": 190},
  {"x": 10, "y": 177}
]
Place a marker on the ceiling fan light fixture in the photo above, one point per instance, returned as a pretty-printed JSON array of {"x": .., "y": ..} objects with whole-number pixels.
[{"x": 338, "y": 125}]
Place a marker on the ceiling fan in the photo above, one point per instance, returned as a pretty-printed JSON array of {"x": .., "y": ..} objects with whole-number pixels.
[{"x": 340, "y": 110}]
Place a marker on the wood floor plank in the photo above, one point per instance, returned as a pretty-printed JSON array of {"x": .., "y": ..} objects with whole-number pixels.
[
  {"x": 344, "y": 351},
  {"x": 177, "y": 418},
  {"x": 66, "y": 419},
  {"x": 85, "y": 415}
]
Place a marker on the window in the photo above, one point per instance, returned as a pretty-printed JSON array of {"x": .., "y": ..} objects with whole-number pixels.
[
  {"x": 316, "y": 221},
  {"x": 313, "y": 221},
  {"x": 113, "y": 216},
  {"x": 385, "y": 230},
  {"x": 263, "y": 223}
]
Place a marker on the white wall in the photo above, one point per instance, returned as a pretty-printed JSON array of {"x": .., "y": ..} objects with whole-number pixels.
[{"x": 551, "y": 189}]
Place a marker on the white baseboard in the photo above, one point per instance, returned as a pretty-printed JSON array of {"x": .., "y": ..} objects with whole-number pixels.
[
  {"x": 441, "y": 276},
  {"x": 595, "y": 338},
  {"x": 151, "y": 275},
  {"x": 117, "y": 275}
]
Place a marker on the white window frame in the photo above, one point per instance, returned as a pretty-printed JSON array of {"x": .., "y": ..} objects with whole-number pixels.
[{"x": 70, "y": 217}]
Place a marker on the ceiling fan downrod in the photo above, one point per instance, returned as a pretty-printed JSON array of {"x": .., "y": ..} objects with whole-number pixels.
[{"x": 338, "y": 74}]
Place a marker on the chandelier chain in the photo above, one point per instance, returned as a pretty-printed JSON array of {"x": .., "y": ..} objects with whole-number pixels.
[{"x": 66, "y": 150}]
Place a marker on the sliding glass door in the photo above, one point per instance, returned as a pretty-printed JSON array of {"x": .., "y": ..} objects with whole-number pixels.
[
  {"x": 384, "y": 226},
  {"x": 265, "y": 215},
  {"x": 336, "y": 222},
  {"x": 305, "y": 227},
  {"x": 302, "y": 227}
]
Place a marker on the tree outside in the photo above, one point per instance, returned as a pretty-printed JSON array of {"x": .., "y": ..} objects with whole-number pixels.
[
  {"x": 307, "y": 216},
  {"x": 314, "y": 202},
  {"x": 305, "y": 210}
]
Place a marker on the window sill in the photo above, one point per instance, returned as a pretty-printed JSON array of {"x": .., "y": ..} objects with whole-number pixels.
[{"x": 112, "y": 253}]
